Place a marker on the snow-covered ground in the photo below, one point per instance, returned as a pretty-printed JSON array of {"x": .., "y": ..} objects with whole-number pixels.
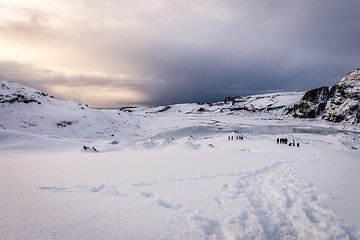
[
  {"x": 171, "y": 172},
  {"x": 181, "y": 178}
]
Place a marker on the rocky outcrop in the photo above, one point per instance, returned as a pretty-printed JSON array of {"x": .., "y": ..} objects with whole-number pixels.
[
  {"x": 313, "y": 103},
  {"x": 233, "y": 99},
  {"x": 17, "y": 98},
  {"x": 16, "y": 93},
  {"x": 340, "y": 103},
  {"x": 344, "y": 101}
]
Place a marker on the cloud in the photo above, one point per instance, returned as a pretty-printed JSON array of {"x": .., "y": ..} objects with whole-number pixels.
[
  {"x": 93, "y": 88},
  {"x": 175, "y": 51}
]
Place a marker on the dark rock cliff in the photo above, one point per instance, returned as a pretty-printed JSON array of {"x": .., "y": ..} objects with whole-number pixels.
[
  {"x": 340, "y": 103},
  {"x": 313, "y": 103},
  {"x": 344, "y": 101}
]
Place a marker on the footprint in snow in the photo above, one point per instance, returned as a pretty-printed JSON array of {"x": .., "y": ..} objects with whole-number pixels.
[
  {"x": 210, "y": 227},
  {"x": 162, "y": 203}
]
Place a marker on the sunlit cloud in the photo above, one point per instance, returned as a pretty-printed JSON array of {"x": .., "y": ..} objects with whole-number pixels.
[{"x": 94, "y": 88}]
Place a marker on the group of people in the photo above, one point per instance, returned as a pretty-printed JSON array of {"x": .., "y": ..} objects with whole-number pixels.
[
  {"x": 278, "y": 140},
  {"x": 282, "y": 140},
  {"x": 236, "y": 137},
  {"x": 285, "y": 141}
]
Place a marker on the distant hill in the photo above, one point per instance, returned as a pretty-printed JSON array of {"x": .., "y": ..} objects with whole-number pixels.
[{"x": 30, "y": 110}]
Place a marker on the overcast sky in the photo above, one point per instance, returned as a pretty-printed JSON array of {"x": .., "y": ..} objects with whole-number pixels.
[{"x": 112, "y": 53}]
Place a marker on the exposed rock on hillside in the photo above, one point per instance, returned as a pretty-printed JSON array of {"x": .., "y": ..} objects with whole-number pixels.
[
  {"x": 16, "y": 93},
  {"x": 344, "y": 101},
  {"x": 312, "y": 103}
]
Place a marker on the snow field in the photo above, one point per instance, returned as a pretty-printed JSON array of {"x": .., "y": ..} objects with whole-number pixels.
[{"x": 192, "y": 187}]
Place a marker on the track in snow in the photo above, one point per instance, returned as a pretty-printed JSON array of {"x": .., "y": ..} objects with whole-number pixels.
[{"x": 270, "y": 203}]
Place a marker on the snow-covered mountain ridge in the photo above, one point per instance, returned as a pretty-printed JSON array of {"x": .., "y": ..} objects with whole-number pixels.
[
  {"x": 30, "y": 110},
  {"x": 339, "y": 103},
  {"x": 273, "y": 104}
]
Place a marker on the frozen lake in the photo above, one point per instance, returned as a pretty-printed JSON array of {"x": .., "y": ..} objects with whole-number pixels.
[{"x": 271, "y": 129}]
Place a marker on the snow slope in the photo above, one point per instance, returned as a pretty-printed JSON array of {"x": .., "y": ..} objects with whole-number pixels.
[{"x": 29, "y": 110}]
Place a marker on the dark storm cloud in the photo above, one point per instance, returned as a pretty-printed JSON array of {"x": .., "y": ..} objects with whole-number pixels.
[
  {"x": 281, "y": 47},
  {"x": 201, "y": 51}
]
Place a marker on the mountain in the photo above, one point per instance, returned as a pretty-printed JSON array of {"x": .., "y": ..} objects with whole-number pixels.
[
  {"x": 274, "y": 104},
  {"x": 339, "y": 103},
  {"x": 344, "y": 100},
  {"x": 30, "y": 110}
]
